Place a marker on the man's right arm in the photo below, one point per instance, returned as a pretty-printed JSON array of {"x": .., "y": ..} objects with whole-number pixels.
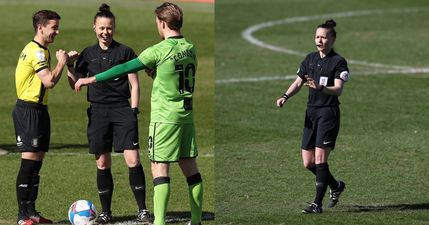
[
  {"x": 120, "y": 70},
  {"x": 50, "y": 78},
  {"x": 112, "y": 73}
]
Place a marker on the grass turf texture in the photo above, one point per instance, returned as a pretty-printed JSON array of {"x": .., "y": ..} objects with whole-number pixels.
[
  {"x": 68, "y": 172},
  {"x": 381, "y": 150}
]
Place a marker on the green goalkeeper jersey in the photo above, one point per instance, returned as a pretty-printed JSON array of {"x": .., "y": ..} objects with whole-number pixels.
[{"x": 175, "y": 63}]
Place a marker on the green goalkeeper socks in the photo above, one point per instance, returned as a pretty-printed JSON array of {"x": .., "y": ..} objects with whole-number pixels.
[
  {"x": 195, "y": 187},
  {"x": 160, "y": 199},
  {"x": 196, "y": 200}
]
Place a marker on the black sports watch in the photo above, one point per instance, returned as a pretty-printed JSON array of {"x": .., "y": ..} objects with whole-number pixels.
[{"x": 135, "y": 110}]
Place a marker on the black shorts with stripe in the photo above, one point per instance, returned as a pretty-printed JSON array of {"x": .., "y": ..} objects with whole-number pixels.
[
  {"x": 32, "y": 126},
  {"x": 321, "y": 127}
]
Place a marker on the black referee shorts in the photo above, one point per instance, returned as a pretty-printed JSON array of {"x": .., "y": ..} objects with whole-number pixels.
[
  {"x": 321, "y": 127},
  {"x": 32, "y": 126},
  {"x": 112, "y": 126}
]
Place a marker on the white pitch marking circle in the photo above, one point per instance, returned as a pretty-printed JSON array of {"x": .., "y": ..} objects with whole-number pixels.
[{"x": 247, "y": 35}]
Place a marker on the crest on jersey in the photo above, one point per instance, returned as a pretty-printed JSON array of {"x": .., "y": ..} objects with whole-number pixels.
[{"x": 35, "y": 142}]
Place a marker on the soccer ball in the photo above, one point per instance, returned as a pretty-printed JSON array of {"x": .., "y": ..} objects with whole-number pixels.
[{"x": 82, "y": 212}]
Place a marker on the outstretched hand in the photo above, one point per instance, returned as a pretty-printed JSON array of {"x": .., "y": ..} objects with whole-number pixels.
[
  {"x": 83, "y": 82},
  {"x": 61, "y": 56},
  {"x": 72, "y": 56},
  {"x": 311, "y": 83}
]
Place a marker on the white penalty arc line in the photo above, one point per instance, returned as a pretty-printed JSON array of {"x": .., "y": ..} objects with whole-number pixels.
[{"x": 247, "y": 34}]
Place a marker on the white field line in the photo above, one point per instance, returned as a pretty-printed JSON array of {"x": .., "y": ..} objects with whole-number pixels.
[
  {"x": 293, "y": 77},
  {"x": 247, "y": 34}
]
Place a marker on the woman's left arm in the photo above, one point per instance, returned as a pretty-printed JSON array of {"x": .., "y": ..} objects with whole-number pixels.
[{"x": 337, "y": 89}]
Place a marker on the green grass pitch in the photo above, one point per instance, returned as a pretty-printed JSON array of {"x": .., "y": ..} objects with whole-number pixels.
[
  {"x": 69, "y": 172},
  {"x": 381, "y": 151}
]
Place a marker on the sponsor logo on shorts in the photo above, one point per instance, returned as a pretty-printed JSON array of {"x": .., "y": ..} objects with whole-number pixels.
[
  {"x": 19, "y": 142},
  {"x": 35, "y": 142},
  {"x": 326, "y": 142},
  {"x": 150, "y": 142}
]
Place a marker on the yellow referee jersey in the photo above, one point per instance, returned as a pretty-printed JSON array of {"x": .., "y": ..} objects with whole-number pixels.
[{"x": 29, "y": 87}]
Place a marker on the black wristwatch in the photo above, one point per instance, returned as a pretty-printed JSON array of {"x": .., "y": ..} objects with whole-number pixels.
[{"x": 135, "y": 110}]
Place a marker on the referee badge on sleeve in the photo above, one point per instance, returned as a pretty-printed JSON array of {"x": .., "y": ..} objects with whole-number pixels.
[{"x": 345, "y": 76}]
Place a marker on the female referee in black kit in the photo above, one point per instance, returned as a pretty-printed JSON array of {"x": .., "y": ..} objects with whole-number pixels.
[
  {"x": 112, "y": 117},
  {"x": 324, "y": 73}
]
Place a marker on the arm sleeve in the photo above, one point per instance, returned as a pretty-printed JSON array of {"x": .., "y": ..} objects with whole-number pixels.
[
  {"x": 39, "y": 59},
  {"x": 302, "y": 70},
  {"x": 81, "y": 64},
  {"x": 120, "y": 70},
  {"x": 342, "y": 70}
]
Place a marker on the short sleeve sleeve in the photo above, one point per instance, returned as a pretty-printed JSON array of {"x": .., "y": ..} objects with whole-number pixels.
[
  {"x": 81, "y": 64},
  {"x": 130, "y": 54},
  {"x": 39, "y": 59},
  {"x": 303, "y": 68},
  {"x": 342, "y": 70},
  {"x": 149, "y": 57}
]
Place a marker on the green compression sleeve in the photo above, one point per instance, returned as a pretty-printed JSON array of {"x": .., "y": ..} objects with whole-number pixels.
[{"x": 120, "y": 70}]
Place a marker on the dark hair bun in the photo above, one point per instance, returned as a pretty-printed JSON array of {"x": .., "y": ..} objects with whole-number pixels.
[
  {"x": 331, "y": 23},
  {"x": 104, "y": 7}
]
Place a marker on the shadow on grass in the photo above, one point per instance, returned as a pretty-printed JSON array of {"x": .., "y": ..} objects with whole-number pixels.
[
  {"x": 12, "y": 147},
  {"x": 376, "y": 208},
  {"x": 172, "y": 217}
]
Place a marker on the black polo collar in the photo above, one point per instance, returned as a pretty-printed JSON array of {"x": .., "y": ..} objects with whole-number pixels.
[{"x": 109, "y": 49}]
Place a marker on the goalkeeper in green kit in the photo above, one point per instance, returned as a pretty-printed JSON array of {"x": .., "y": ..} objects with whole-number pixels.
[{"x": 172, "y": 63}]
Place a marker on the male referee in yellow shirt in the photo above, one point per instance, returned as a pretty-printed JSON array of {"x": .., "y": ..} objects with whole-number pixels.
[{"x": 33, "y": 78}]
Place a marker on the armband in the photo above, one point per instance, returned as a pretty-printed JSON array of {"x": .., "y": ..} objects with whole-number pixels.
[{"x": 345, "y": 76}]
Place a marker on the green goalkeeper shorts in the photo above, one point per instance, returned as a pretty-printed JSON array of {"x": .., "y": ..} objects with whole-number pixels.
[{"x": 171, "y": 142}]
